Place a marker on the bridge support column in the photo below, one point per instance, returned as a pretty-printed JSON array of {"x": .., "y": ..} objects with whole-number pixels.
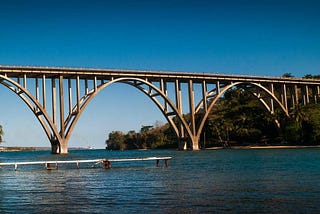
[
  {"x": 194, "y": 144},
  {"x": 54, "y": 146},
  {"x": 63, "y": 148},
  {"x": 182, "y": 144},
  {"x": 59, "y": 148}
]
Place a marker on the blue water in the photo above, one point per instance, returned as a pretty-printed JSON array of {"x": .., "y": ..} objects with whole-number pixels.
[{"x": 232, "y": 181}]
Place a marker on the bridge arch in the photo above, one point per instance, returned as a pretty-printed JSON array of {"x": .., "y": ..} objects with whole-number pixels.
[
  {"x": 226, "y": 88},
  {"x": 278, "y": 90},
  {"x": 137, "y": 83},
  {"x": 37, "y": 109}
]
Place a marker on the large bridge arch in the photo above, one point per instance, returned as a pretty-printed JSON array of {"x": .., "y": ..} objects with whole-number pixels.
[
  {"x": 37, "y": 109},
  {"x": 152, "y": 92},
  {"x": 233, "y": 84}
]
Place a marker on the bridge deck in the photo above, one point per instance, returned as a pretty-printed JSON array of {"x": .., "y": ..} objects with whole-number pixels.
[
  {"x": 104, "y": 73},
  {"x": 105, "y": 162}
]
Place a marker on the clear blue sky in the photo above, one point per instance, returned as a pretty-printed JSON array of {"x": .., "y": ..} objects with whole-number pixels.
[{"x": 265, "y": 37}]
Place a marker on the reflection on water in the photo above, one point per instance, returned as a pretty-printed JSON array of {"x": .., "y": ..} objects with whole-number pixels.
[{"x": 264, "y": 181}]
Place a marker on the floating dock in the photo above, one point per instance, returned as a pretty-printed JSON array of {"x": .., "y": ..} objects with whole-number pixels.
[{"x": 106, "y": 163}]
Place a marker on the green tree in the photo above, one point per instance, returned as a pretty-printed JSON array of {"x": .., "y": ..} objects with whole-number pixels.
[
  {"x": 131, "y": 140},
  {"x": 149, "y": 137},
  {"x": 308, "y": 76},
  {"x": 1, "y": 134},
  {"x": 240, "y": 118},
  {"x": 303, "y": 126},
  {"x": 145, "y": 136},
  {"x": 287, "y": 75},
  {"x": 116, "y": 141},
  {"x": 311, "y": 124}
]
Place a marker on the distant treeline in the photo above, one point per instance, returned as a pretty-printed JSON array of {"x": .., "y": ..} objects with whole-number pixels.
[
  {"x": 149, "y": 137},
  {"x": 307, "y": 76},
  {"x": 237, "y": 119}
]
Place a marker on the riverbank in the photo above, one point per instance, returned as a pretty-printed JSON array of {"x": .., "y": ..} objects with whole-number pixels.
[
  {"x": 265, "y": 147},
  {"x": 26, "y": 149},
  {"x": 21, "y": 149},
  {"x": 18, "y": 149}
]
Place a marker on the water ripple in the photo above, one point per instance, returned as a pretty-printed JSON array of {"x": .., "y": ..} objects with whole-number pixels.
[{"x": 236, "y": 181}]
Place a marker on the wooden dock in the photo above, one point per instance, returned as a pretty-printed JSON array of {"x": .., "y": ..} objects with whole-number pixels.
[{"x": 106, "y": 163}]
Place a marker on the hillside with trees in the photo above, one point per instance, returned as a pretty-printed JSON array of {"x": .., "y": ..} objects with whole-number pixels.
[{"x": 238, "y": 119}]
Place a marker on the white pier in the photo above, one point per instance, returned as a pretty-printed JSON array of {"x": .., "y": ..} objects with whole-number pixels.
[{"x": 106, "y": 163}]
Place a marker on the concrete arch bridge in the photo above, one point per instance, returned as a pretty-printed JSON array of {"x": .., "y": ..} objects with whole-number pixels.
[{"x": 57, "y": 96}]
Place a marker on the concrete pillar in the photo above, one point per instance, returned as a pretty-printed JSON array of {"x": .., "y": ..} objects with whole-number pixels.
[
  {"x": 64, "y": 148},
  {"x": 296, "y": 94},
  {"x": 204, "y": 95},
  {"x": 178, "y": 94},
  {"x": 191, "y": 107},
  {"x": 44, "y": 93},
  {"x": 182, "y": 143},
  {"x": 307, "y": 94},
  {"x": 271, "y": 100},
  {"x": 61, "y": 102},
  {"x": 54, "y": 147},
  {"x": 59, "y": 148},
  {"x": 70, "y": 95},
  {"x": 54, "y": 101},
  {"x": 285, "y": 99},
  {"x": 78, "y": 94},
  {"x": 195, "y": 144}
]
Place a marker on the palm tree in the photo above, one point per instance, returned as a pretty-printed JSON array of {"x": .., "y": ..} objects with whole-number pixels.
[
  {"x": 299, "y": 118},
  {"x": 308, "y": 76},
  {"x": 1, "y": 134},
  {"x": 287, "y": 75},
  {"x": 298, "y": 115}
]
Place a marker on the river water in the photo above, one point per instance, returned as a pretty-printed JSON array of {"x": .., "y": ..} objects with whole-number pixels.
[{"x": 221, "y": 181}]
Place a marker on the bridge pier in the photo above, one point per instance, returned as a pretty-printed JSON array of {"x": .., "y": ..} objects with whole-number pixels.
[
  {"x": 194, "y": 144},
  {"x": 188, "y": 144},
  {"x": 54, "y": 147},
  {"x": 59, "y": 148},
  {"x": 64, "y": 148},
  {"x": 182, "y": 144}
]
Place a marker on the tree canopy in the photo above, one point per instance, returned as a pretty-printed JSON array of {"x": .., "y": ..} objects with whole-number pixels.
[
  {"x": 157, "y": 136},
  {"x": 239, "y": 118}
]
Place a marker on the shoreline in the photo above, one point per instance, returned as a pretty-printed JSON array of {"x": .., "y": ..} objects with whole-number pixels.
[
  {"x": 21, "y": 149},
  {"x": 264, "y": 147},
  {"x": 31, "y": 149}
]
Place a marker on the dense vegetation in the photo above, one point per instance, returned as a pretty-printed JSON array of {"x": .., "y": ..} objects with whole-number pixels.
[
  {"x": 237, "y": 119},
  {"x": 240, "y": 119},
  {"x": 157, "y": 136}
]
